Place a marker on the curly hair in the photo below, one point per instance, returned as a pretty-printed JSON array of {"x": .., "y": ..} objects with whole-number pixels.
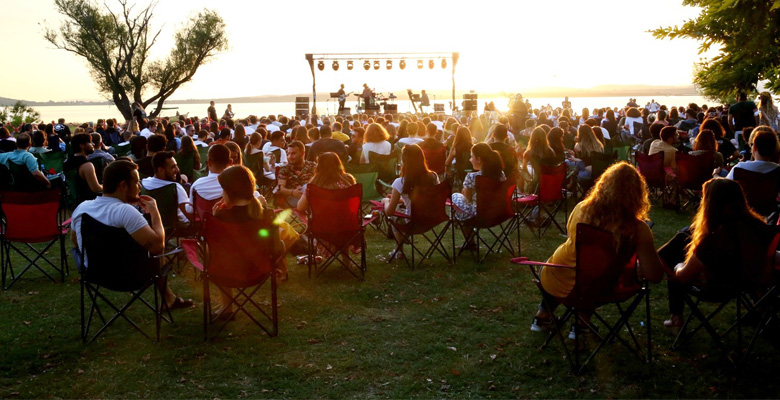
[{"x": 618, "y": 200}]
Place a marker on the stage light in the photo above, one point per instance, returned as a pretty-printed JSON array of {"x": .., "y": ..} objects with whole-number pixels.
[
  {"x": 350, "y": 65},
  {"x": 366, "y": 65},
  {"x": 431, "y": 64},
  {"x": 335, "y": 65},
  {"x": 321, "y": 65},
  {"x": 402, "y": 64},
  {"x": 419, "y": 64},
  {"x": 376, "y": 64},
  {"x": 444, "y": 63},
  {"x": 389, "y": 64}
]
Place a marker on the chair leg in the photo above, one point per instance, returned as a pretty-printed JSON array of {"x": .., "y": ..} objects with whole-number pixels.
[
  {"x": 206, "y": 307},
  {"x": 274, "y": 306}
]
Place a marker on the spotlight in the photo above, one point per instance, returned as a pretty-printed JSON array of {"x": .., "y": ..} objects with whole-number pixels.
[
  {"x": 350, "y": 65},
  {"x": 430, "y": 64},
  {"x": 376, "y": 64},
  {"x": 321, "y": 65},
  {"x": 389, "y": 64},
  {"x": 335, "y": 65},
  {"x": 444, "y": 63},
  {"x": 419, "y": 64},
  {"x": 366, "y": 65},
  {"x": 402, "y": 64}
]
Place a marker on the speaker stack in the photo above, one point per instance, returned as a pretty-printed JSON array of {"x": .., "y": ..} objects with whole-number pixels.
[
  {"x": 391, "y": 108},
  {"x": 301, "y": 106},
  {"x": 470, "y": 102}
]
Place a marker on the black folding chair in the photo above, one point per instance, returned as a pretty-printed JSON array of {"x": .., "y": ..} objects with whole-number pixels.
[{"x": 496, "y": 216}]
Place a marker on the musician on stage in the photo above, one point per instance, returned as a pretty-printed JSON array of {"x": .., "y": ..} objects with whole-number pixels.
[
  {"x": 342, "y": 98},
  {"x": 366, "y": 96},
  {"x": 424, "y": 101}
]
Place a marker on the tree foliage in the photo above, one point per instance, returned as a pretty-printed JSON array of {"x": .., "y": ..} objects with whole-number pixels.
[
  {"x": 18, "y": 114},
  {"x": 116, "y": 47},
  {"x": 747, "y": 34}
]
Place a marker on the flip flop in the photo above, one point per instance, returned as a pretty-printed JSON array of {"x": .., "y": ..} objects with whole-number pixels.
[{"x": 180, "y": 303}]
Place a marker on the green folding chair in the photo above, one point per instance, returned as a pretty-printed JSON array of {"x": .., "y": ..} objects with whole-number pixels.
[
  {"x": 186, "y": 164},
  {"x": 52, "y": 160}
]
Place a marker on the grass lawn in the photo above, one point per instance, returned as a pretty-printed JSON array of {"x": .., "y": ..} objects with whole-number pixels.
[{"x": 438, "y": 331}]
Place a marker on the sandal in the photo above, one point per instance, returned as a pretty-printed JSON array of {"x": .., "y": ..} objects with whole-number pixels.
[
  {"x": 674, "y": 322},
  {"x": 180, "y": 303}
]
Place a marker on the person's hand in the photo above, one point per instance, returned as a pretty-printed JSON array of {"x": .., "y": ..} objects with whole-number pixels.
[
  {"x": 297, "y": 192},
  {"x": 147, "y": 203},
  {"x": 272, "y": 159},
  {"x": 262, "y": 200}
]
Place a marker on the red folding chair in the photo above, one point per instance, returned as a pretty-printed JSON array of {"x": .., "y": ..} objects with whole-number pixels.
[
  {"x": 32, "y": 223},
  {"x": 429, "y": 210},
  {"x": 692, "y": 172},
  {"x": 495, "y": 211},
  {"x": 550, "y": 198},
  {"x": 760, "y": 189},
  {"x": 604, "y": 275},
  {"x": 435, "y": 158},
  {"x": 652, "y": 169},
  {"x": 237, "y": 256},
  {"x": 202, "y": 206},
  {"x": 336, "y": 225}
]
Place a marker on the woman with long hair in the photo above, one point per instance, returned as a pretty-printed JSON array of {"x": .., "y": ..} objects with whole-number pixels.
[
  {"x": 255, "y": 143},
  {"x": 725, "y": 243},
  {"x": 239, "y": 136},
  {"x": 705, "y": 143},
  {"x": 376, "y": 140},
  {"x": 173, "y": 143},
  {"x": 486, "y": 162},
  {"x": 587, "y": 145},
  {"x": 725, "y": 147},
  {"x": 617, "y": 203},
  {"x": 187, "y": 148},
  {"x": 459, "y": 150},
  {"x": 555, "y": 140},
  {"x": 584, "y": 117},
  {"x": 236, "y": 154},
  {"x": 768, "y": 111},
  {"x": 133, "y": 128}
]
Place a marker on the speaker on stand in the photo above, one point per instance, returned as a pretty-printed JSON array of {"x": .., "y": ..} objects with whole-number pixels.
[{"x": 301, "y": 106}]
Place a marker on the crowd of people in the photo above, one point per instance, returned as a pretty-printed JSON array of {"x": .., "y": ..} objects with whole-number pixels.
[{"x": 230, "y": 160}]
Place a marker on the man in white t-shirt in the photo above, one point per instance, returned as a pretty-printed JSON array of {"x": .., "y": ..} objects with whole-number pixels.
[
  {"x": 654, "y": 107},
  {"x": 271, "y": 128},
  {"x": 413, "y": 138},
  {"x": 276, "y": 147},
  {"x": 764, "y": 145},
  {"x": 120, "y": 190},
  {"x": 150, "y": 129},
  {"x": 208, "y": 187},
  {"x": 165, "y": 172}
]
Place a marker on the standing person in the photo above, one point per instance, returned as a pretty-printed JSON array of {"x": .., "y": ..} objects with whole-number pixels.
[
  {"x": 769, "y": 112},
  {"x": 366, "y": 96},
  {"x": 139, "y": 114},
  {"x": 295, "y": 174},
  {"x": 63, "y": 132},
  {"x": 741, "y": 115},
  {"x": 212, "y": 112},
  {"x": 228, "y": 115},
  {"x": 424, "y": 100},
  {"x": 342, "y": 98}
]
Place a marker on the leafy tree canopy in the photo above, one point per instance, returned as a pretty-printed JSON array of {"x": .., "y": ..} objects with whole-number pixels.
[
  {"x": 116, "y": 45},
  {"x": 18, "y": 114},
  {"x": 747, "y": 33}
]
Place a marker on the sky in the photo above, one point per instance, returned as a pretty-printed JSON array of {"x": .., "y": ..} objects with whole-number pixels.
[{"x": 510, "y": 46}]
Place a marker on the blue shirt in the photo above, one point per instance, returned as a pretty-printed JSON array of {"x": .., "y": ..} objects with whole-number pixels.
[{"x": 20, "y": 157}]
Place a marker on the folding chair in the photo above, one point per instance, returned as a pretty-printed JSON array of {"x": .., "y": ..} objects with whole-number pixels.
[
  {"x": 100, "y": 165},
  {"x": 111, "y": 260},
  {"x": 186, "y": 163},
  {"x": 204, "y": 157},
  {"x": 386, "y": 167},
  {"x": 622, "y": 152},
  {"x": 604, "y": 275},
  {"x": 336, "y": 224},
  {"x": 652, "y": 169},
  {"x": 550, "y": 198},
  {"x": 753, "y": 291},
  {"x": 52, "y": 161},
  {"x": 429, "y": 210},
  {"x": 236, "y": 256},
  {"x": 35, "y": 220},
  {"x": 23, "y": 180},
  {"x": 692, "y": 172},
  {"x": 201, "y": 205},
  {"x": 435, "y": 159},
  {"x": 760, "y": 190},
  {"x": 121, "y": 150},
  {"x": 168, "y": 206},
  {"x": 494, "y": 211}
]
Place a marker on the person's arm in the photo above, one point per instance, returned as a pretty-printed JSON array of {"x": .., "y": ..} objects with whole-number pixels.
[
  {"x": 689, "y": 270},
  {"x": 37, "y": 174},
  {"x": 87, "y": 172},
  {"x": 303, "y": 203},
  {"x": 731, "y": 123},
  {"x": 392, "y": 203},
  {"x": 649, "y": 263},
  {"x": 152, "y": 236}
]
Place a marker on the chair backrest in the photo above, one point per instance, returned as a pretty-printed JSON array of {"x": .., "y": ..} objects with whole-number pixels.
[
  {"x": 435, "y": 158},
  {"x": 122, "y": 150},
  {"x": 7, "y": 146},
  {"x": 201, "y": 205},
  {"x": 760, "y": 189},
  {"x": 186, "y": 163},
  {"x": 429, "y": 207},
  {"x": 551, "y": 182},
  {"x": 334, "y": 215},
  {"x": 600, "y": 162},
  {"x": 622, "y": 152},
  {"x": 386, "y": 165},
  {"x": 23, "y": 179},
  {"x": 52, "y": 160},
  {"x": 114, "y": 259},
  {"x": 255, "y": 164},
  {"x": 494, "y": 201},
  {"x": 31, "y": 215},
  {"x": 6, "y": 179},
  {"x": 368, "y": 181},
  {"x": 239, "y": 254},
  {"x": 652, "y": 168},
  {"x": 693, "y": 171},
  {"x": 204, "y": 154},
  {"x": 600, "y": 265},
  {"x": 99, "y": 164},
  {"x": 167, "y": 203}
]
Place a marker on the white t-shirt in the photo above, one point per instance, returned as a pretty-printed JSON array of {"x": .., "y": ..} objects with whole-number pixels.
[
  {"x": 268, "y": 148},
  {"x": 382, "y": 147},
  {"x": 208, "y": 187},
  {"x": 654, "y": 107},
  {"x": 439, "y": 125},
  {"x": 398, "y": 185},
  {"x": 108, "y": 211},
  {"x": 271, "y": 128},
  {"x": 630, "y": 122},
  {"x": 759, "y": 166},
  {"x": 146, "y": 133},
  {"x": 410, "y": 140},
  {"x": 152, "y": 183},
  {"x": 604, "y": 132}
]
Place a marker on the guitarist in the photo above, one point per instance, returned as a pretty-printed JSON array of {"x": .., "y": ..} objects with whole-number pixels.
[
  {"x": 366, "y": 96},
  {"x": 342, "y": 98}
]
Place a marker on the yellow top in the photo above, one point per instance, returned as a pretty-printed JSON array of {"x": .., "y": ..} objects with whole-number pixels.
[
  {"x": 558, "y": 281},
  {"x": 340, "y": 136}
]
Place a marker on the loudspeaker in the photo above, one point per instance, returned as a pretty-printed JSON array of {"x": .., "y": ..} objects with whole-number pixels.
[
  {"x": 469, "y": 105},
  {"x": 391, "y": 108},
  {"x": 438, "y": 108},
  {"x": 345, "y": 111},
  {"x": 301, "y": 106},
  {"x": 470, "y": 96}
]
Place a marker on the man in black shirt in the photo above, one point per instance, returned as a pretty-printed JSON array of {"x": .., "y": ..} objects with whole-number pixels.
[
  {"x": 325, "y": 144},
  {"x": 155, "y": 144},
  {"x": 742, "y": 115},
  {"x": 212, "y": 111}
]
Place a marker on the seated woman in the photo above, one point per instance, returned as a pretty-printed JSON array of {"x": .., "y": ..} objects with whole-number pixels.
[
  {"x": 537, "y": 153},
  {"x": 459, "y": 151},
  {"x": 618, "y": 203},
  {"x": 414, "y": 176},
  {"x": 705, "y": 143},
  {"x": 487, "y": 163},
  {"x": 239, "y": 204},
  {"x": 587, "y": 145},
  {"x": 375, "y": 141},
  {"x": 726, "y": 240}
]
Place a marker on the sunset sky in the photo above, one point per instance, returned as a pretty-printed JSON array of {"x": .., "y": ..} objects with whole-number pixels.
[{"x": 504, "y": 45}]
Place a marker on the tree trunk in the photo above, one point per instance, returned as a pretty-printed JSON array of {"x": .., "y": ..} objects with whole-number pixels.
[{"x": 123, "y": 105}]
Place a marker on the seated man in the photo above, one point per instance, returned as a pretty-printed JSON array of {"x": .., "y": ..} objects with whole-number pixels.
[
  {"x": 22, "y": 157},
  {"x": 208, "y": 187},
  {"x": 165, "y": 172},
  {"x": 276, "y": 147},
  {"x": 666, "y": 145},
  {"x": 39, "y": 143},
  {"x": 325, "y": 144},
  {"x": 87, "y": 185},
  {"x": 100, "y": 150},
  {"x": 295, "y": 174},
  {"x": 114, "y": 209},
  {"x": 154, "y": 144},
  {"x": 764, "y": 145}
]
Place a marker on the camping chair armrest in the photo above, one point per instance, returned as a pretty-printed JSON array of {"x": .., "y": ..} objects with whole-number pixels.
[
  {"x": 66, "y": 223},
  {"x": 453, "y": 205},
  {"x": 385, "y": 184},
  {"x": 526, "y": 261},
  {"x": 177, "y": 250},
  {"x": 367, "y": 221}
]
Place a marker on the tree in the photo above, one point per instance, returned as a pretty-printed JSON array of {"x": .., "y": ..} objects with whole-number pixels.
[
  {"x": 19, "y": 114},
  {"x": 747, "y": 32},
  {"x": 116, "y": 47}
]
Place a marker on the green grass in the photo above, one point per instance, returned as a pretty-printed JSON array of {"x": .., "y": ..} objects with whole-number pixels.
[{"x": 438, "y": 331}]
